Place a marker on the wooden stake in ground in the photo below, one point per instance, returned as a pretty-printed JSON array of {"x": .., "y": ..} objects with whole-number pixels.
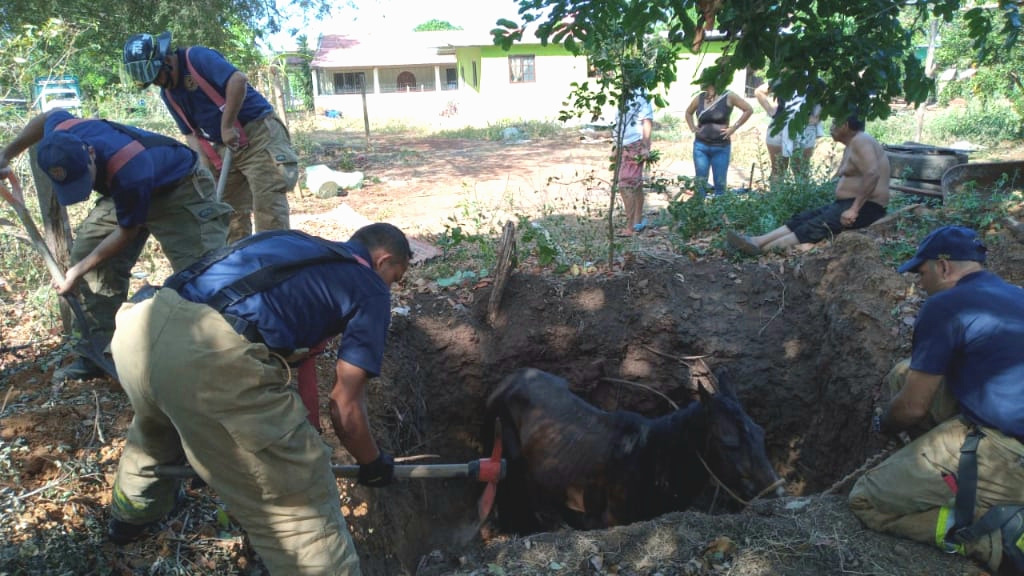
[{"x": 503, "y": 269}]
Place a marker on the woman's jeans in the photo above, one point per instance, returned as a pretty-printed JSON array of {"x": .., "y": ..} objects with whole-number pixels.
[{"x": 714, "y": 159}]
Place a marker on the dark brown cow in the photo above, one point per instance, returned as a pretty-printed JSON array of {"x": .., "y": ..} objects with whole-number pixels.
[{"x": 571, "y": 462}]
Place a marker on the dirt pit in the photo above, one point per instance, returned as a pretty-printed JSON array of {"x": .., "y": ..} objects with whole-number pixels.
[{"x": 806, "y": 343}]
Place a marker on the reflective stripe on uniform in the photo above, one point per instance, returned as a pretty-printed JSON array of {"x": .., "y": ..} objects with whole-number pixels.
[{"x": 942, "y": 525}]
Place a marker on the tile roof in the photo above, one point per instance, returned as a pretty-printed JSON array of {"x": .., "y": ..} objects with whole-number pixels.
[{"x": 345, "y": 51}]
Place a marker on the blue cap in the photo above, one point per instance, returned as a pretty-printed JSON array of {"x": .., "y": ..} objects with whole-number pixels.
[
  {"x": 947, "y": 243},
  {"x": 65, "y": 159}
]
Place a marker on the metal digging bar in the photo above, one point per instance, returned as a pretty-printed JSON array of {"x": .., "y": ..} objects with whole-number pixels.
[
  {"x": 490, "y": 470},
  {"x": 93, "y": 350}
]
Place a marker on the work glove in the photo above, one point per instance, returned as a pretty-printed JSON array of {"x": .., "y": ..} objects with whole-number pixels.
[{"x": 378, "y": 473}]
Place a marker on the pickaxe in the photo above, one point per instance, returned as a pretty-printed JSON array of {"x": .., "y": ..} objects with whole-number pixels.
[
  {"x": 490, "y": 470},
  {"x": 93, "y": 350}
]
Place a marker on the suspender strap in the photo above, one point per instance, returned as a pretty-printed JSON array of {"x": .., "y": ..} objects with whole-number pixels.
[
  {"x": 992, "y": 520},
  {"x": 258, "y": 280},
  {"x": 218, "y": 100},
  {"x": 967, "y": 480},
  {"x": 264, "y": 278},
  {"x": 119, "y": 159},
  {"x": 179, "y": 279}
]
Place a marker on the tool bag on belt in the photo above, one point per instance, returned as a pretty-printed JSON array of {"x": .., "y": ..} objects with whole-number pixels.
[{"x": 1009, "y": 519}]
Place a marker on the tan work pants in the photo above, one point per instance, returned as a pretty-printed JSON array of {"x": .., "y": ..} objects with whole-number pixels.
[
  {"x": 202, "y": 391},
  {"x": 185, "y": 220},
  {"x": 906, "y": 495},
  {"x": 260, "y": 178}
]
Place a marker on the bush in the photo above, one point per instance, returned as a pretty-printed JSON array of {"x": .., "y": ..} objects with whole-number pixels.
[
  {"x": 982, "y": 122},
  {"x": 753, "y": 212}
]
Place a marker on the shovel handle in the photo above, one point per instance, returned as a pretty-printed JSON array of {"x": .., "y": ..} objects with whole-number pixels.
[
  {"x": 470, "y": 470},
  {"x": 222, "y": 180},
  {"x": 30, "y": 226}
]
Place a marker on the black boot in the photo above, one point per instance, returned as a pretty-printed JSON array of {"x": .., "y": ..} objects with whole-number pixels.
[{"x": 81, "y": 369}]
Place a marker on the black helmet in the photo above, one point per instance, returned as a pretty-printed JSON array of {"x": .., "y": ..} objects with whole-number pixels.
[{"x": 144, "y": 56}]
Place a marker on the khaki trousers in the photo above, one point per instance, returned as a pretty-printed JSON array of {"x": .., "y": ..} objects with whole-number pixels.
[
  {"x": 203, "y": 392},
  {"x": 260, "y": 178},
  {"x": 906, "y": 495},
  {"x": 185, "y": 220}
]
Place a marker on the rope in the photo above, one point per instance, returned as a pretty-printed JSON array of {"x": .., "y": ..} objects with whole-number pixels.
[
  {"x": 721, "y": 484},
  {"x": 868, "y": 464}
]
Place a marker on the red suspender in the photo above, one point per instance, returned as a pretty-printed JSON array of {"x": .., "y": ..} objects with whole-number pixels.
[
  {"x": 218, "y": 101},
  {"x": 119, "y": 159}
]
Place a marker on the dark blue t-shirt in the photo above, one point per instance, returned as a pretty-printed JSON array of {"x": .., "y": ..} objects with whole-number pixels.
[
  {"x": 133, "y": 186},
  {"x": 316, "y": 303},
  {"x": 973, "y": 334},
  {"x": 203, "y": 113}
]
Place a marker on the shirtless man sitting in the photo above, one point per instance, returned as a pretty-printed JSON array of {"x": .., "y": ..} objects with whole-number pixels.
[{"x": 862, "y": 194}]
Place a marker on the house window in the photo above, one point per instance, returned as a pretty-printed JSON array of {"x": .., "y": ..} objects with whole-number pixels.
[
  {"x": 451, "y": 79},
  {"x": 349, "y": 82},
  {"x": 475, "y": 83},
  {"x": 520, "y": 69}
]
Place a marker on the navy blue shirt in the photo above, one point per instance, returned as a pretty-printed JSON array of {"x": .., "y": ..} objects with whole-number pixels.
[
  {"x": 316, "y": 303},
  {"x": 134, "y": 184},
  {"x": 203, "y": 113},
  {"x": 973, "y": 334}
]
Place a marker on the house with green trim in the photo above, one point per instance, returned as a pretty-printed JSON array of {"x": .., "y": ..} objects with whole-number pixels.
[{"x": 462, "y": 78}]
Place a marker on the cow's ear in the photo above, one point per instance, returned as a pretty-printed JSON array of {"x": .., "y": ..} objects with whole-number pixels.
[{"x": 703, "y": 394}]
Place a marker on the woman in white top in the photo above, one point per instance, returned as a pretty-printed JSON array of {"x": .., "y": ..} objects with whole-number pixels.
[{"x": 782, "y": 145}]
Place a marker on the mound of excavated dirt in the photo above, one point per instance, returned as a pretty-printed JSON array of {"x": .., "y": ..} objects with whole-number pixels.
[
  {"x": 806, "y": 341},
  {"x": 812, "y": 536}
]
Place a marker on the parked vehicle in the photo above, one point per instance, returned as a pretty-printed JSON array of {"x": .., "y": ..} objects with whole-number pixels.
[{"x": 56, "y": 92}]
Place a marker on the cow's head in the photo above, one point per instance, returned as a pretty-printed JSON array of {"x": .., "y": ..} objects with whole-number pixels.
[{"x": 735, "y": 449}]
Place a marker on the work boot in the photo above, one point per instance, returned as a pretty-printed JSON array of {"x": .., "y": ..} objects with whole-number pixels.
[
  {"x": 120, "y": 532},
  {"x": 81, "y": 369}
]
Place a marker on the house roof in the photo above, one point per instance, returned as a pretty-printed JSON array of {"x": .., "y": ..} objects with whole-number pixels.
[{"x": 381, "y": 49}]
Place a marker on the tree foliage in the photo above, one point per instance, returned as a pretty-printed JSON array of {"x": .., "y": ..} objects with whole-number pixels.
[
  {"x": 1000, "y": 78},
  {"x": 102, "y": 26},
  {"x": 434, "y": 25},
  {"x": 853, "y": 57}
]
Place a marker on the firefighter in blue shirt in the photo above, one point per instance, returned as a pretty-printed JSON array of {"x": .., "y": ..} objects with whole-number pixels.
[
  {"x": 960, "y": 485},
  {"x": 216, "y": 108},
  {"x": 147, "y": 183},
  {"x": 205, "y": 363}
]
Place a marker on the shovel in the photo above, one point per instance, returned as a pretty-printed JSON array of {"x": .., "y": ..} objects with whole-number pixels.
[
  {"x": 93, "y": 350},
  {"x": 490, "y": 470},
  {"x": 222, "y": 180}
]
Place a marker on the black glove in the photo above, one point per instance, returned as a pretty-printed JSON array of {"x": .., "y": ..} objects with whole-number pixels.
[{"x": 378, "y": 473}]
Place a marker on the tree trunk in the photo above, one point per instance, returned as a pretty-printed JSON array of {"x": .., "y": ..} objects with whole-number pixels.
[
  {"x": 277, "y": 89},
  {"x": 929, "y": 71}
]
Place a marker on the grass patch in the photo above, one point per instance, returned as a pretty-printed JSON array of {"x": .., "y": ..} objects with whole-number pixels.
[{"x": 494, "y": 131}]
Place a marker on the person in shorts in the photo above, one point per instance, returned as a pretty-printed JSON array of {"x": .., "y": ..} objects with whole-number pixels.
[{"x": 862, "y": 194}]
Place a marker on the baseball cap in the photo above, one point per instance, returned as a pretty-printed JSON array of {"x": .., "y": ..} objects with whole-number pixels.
[
  {"x": 65, "y": 159},
  {"x": 947, "y": 243}
]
